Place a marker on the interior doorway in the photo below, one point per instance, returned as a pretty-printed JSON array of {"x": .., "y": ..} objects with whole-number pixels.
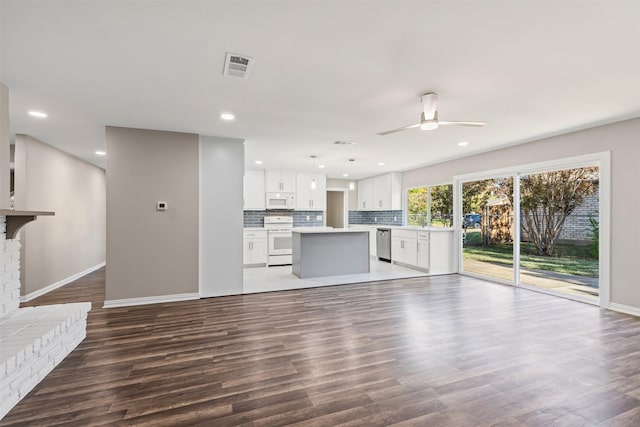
[{"x": 337, "y": 208}]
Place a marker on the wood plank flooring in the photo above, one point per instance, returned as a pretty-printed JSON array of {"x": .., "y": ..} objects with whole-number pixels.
[{"x": 441, "y": 351}]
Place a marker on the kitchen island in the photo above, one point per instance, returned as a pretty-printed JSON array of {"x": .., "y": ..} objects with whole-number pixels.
[{"x": 330, "y": 252}]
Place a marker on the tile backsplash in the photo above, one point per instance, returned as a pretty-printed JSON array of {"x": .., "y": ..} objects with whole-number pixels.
[
  {"x": 376, "y": 217},
  {"x": 256, "y": 218}
]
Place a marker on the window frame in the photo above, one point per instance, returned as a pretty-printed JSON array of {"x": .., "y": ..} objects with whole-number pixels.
[{"x": 429, "y": 219}]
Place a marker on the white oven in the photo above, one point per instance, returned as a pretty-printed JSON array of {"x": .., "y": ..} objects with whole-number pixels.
[{"x": 280, "y": 248}]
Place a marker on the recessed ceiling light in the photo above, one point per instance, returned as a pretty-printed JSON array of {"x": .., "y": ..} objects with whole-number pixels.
[
  {"x": 38, "y": 114},
  {"x": 101, "y": 153},
  {"x": 345, "y": 175},
  {"x": 227, "y": 116},
  {"x": 258, "y": 162},
  {"x": 381, "y": 164},
  {"x": 462, "y": 143},
  {"x": 320, "y": 166}
]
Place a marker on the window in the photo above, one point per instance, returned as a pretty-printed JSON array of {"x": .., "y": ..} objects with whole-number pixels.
[{"x": 430, "y": 206}]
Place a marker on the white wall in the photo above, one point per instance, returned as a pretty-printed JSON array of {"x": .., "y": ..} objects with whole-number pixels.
[
  {"x": 221, "y": 215},
  {"x": 57, "y": 248},
  {"x": 622, "y": 140}
]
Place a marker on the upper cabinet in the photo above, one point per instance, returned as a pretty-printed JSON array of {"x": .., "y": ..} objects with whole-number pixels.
[
  {"x": 365, "y": 194},
  {"x": 281, "y": 181},
  {"x": 380, "y": 193},
  {"x": 254, "y": 190},
  {"x": 309, "y": 196}
]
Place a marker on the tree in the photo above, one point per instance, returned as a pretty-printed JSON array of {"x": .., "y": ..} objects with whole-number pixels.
[
  {"x": 417, "y": 205},
  {"x": 547, "y": 199},
  {"x": 475, "y": 195},
  {"x": 442, "y": 203}
]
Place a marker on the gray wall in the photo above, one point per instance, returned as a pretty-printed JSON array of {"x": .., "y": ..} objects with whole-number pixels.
[
  {"x": 221, "y": 217},
  {"x": 73, "y": 241},
  {"x": 623, "y": 140},
  {"x": 151, "y": 253},
  {"x": 4, "y": 147}
]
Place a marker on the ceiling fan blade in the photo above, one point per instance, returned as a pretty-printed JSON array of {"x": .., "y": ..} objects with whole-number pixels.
[
  {"x": 399, "y": 129},
  {"x": 476, "y": 124},
  {"x": 429, "y": 104}
]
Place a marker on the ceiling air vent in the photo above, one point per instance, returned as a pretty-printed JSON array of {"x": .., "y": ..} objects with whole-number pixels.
[
  {"x": 237, "y": 65},
  {"x": 345, "y": 143}
]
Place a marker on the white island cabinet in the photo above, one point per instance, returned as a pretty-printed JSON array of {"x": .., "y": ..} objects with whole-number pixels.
[{"x": 330, "y": 252}]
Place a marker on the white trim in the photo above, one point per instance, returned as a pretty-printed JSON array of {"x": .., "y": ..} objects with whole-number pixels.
[
  {"x": 604, "y": 250},
  {"x": 539, "y": 167},
  {"x": 516, "y": 226},
  {"x": 635, "y": 311},
  {"x": 127, "y": 302},
  {"x": 35, "y": 294}
]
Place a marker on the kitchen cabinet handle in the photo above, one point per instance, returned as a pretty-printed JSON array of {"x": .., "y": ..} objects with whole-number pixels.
[{"x": 380, "y": 203}]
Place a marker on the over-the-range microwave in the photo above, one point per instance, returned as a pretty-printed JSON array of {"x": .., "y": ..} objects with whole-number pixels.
[{"x": 281, "y": 201}]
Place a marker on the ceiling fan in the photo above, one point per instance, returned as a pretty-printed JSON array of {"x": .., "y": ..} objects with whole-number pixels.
[{"x": 429, "y": 117}]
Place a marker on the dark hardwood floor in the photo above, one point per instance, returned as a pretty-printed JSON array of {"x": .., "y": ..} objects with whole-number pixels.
[{"x": 442, "y": 351}]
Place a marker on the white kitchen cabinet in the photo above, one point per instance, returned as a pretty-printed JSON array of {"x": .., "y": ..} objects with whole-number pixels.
[
  {"x": 404, "y": 247},
  {"x": 254, "y": 190},
  {"x": 387, "y": 192},
  {"x": 365, "y": 194},
  {"x": 254, "y": 251},
  {"x": 380, "y": 193},
  {"x": 311, "y": 199},
  {"x": 280, "y": 181},
  {"x": 423, "y": 247}
]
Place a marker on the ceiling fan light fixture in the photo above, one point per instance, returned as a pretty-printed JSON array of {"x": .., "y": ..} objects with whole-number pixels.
[{"x": 429, "y": 125}]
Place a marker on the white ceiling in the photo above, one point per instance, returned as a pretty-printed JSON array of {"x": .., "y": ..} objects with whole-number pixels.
[{"x": 323, "y": 71}]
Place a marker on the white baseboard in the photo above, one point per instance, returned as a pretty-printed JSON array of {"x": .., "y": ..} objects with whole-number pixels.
[
  {"x": 60, "y": 283},
  {"x": 625, "y": 309},
  {"x": 127, "y": 302}
]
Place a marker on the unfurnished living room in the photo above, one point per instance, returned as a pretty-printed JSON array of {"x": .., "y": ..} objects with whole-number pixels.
[{"x": 313, "y": 213}]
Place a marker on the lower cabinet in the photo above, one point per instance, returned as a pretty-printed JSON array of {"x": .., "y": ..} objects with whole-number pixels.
[
  {"x": 423, "y": 250},
  {"x": 254, "y": 251},
  {"x": 404, "y": 247},
  {"x": 410, "y": 247}
]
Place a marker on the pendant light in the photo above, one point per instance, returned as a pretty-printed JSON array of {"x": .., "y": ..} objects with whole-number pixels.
[
  {"x": 352, "y": 185},
  {"x": 313, "y": 173}
]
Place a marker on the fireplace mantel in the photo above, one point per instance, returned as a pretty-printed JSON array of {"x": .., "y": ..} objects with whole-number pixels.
[{"x": 17, "y": 219}]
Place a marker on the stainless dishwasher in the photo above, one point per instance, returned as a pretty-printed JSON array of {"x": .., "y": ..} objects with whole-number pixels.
[{"x": 383, "y": 244}]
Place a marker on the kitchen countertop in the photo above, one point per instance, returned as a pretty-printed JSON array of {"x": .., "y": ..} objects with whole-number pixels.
[
  {"x": 403, "y": 227},
  {"x": 325, "y": 230}
]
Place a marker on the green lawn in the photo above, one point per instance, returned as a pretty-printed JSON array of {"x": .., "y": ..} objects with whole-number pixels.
[{"x": 571, "y": 259}]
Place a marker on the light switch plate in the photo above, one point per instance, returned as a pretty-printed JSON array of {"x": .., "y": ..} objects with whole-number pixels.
[
  {"x": 318, "y": 217},
  {"x": 161, "y": 206}
]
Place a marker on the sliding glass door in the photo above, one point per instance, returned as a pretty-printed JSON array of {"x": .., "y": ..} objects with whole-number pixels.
[
  {"x": 488, "y": 227},
  {"x": 539, "y": 227},
  {"x": 559, "y": 224}
]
